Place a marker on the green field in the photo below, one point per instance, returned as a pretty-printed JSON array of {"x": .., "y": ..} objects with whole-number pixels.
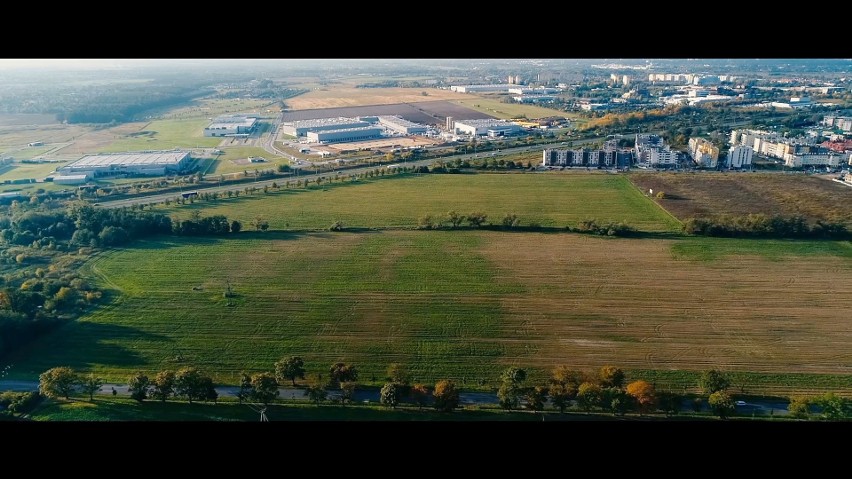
[
  {"x": 498, "y": 109},
  {"x": 17, "y": 171},
  {"x": 164, "y": 135},
  {"x": 551, "y": 200},
  {"x": 462, "y": 305}
]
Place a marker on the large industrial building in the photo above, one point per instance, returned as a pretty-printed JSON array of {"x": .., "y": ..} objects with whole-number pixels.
[
  {"x": 344, "y": 134},
  {"x": 401, "y": 125},
  {"x": 301, "y": 128},
  {"x": 149, "y": 163},
  {"x": 491, "y": 128},
  {"x": 231, "y": 125}
]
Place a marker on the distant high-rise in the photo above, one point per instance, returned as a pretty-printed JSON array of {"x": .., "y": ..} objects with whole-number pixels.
[{"x": 450, "y": 123}]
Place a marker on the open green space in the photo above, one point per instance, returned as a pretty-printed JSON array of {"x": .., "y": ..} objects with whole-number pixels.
[
  {"x": 556, "y": 200},
  {"x": 164, "y": 135},
  {"x": 498, "y": 109}
]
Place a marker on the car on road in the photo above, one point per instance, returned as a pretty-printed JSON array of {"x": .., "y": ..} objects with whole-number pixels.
[{"x": 740, "y": 403}]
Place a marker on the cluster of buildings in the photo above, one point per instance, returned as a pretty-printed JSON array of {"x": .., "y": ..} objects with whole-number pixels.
[
  {"x": 690, "y": 78},
  {"x": 610, "y": 156},
  {"x": 147, "y": 163},
  {"x": 842, "y": 123},
  {"x": 703, "y": 153},
  {"x": 521, "y": 94},
  {"x": 651, "y": 151},
  {"x": 795, "y": 152},
  {"x": 492, "y": 128},
  {"x": 343, "y": 129}
]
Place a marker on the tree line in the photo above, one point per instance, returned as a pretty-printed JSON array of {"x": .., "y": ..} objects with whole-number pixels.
[
  {"x": 759, "y": 225},
  {"x": 604, "y": 390}
]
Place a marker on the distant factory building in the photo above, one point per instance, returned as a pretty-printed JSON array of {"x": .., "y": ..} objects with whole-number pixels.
[
  {"x": 488, "y": 127},
  {"x": 481, "y": 88},
  {"x": 70, "y": 179},
  {"x": 401, "y": 125},
  {"x": 302, "y": 127},
  {"x": 149, "y": 163},
  {"x": 231, "y": 125},
  {"x": 344, "y": 134}
]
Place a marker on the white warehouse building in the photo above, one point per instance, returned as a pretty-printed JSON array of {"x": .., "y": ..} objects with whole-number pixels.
[
  {"x": 487, "y": 127},
  {"x": 401, "y": 125},
  {"x": 302, "y": 127},
  {"x": 344, "y": 134},
  {"x": 231, "y": 125},
  {"x": 149, "y": 163}
]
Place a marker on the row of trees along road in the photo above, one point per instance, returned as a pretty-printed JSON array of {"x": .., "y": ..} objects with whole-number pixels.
[{"x": 605, "y": 390}]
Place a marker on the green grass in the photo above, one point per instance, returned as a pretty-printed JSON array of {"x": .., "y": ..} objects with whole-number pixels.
[
  {"x": 167, "y": 134},
  {"x": 314, "y": 303},
  {"x": 17, "y": 171},
  {"x": 715, "y": 249},
  {"x": 497, "y": 108},
  {"x": 555, "y": 200}
]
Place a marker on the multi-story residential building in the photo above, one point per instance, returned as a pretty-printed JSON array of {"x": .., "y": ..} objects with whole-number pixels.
[
  {"x": 703, "y": 153},
  {"x": 740, "y": 157},
  {"x": 652, "y": 151}
]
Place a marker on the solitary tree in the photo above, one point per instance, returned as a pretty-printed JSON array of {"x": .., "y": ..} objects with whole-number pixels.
[
  {"x": 455, "y": 219},
  {"x": 190, "y": 382},
  {"x": 163, "y": 385},
  {"x": 799, "y": 407},
  {"x": 264, "y": 388},
  {"x": 245, "y": 387},
  {"x": 536, "y": 397},
  {"x": 420, "y": 395},
  {"x": 721, "y": 404},
  {"x": 446, "y": 395},
  {"x": 290, "y": 369},
  {"x": 476, "y": 219},
  {"x": 510, "y": 388},
  {"x": 347, "y": 391},
  {"x": 669, "y": 402},
  {"x": 644, "y": 395},
  {"x": 91, "y": 385},
  {"x": 589, "y": 395},
  {"x": 138, "y": 385},
  {"x": 58, "y": 382},
  {"x": 833, "y": 406},
  {"x": 342, "y": 372},
  {"x": 611, "y": 377},
  {"x": 316, "y": 391},
  {"x": 713, "y": 381},
  {"x": 390, "y": 394}
]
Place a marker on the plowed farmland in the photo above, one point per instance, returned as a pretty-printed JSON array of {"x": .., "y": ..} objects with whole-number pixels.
[{"x": 711, "y": 194}]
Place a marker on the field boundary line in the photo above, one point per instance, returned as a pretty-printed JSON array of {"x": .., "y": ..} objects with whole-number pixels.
[{"x": 654, "y": 202}]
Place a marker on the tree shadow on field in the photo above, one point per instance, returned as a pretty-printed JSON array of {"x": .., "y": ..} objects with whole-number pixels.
[{"x": 83, "y": 345}]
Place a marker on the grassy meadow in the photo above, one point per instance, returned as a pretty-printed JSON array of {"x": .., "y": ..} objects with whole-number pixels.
[{"x": 551, "y": 200}]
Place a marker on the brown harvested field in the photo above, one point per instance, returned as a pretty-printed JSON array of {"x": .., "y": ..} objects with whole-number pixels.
[
  {"x": 94, "y": 141},
  {"x": 711, "y": 193},
  {"x": 432, "y": 112},
  {"x": 341, "y": 96},
  {"x": 642, "y": 305}
]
